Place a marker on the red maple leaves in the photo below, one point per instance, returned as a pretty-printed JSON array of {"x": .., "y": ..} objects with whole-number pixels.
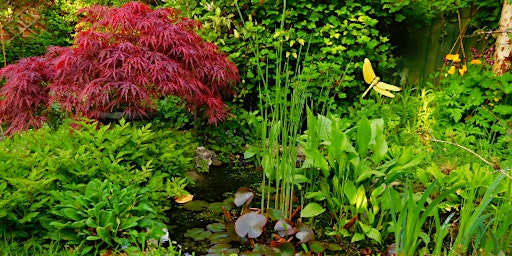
[{"x": 123, "y": 59}]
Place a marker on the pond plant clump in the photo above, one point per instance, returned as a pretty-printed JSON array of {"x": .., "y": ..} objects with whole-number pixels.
[{"x": 123, "y": 59}]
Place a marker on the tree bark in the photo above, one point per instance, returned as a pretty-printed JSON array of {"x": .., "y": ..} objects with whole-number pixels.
[{"x": 502, "y": 54}]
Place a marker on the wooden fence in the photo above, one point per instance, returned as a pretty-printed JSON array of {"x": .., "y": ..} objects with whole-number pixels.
[{"x": 20, "y": 20}]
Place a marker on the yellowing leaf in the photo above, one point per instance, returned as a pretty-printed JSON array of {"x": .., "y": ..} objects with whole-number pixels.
[
  {"x": 301, "y": 41},
  {"x": 184, "y": 198}
]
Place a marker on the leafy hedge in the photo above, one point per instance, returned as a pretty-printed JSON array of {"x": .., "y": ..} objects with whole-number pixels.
[{"x": 33, "y": 163}]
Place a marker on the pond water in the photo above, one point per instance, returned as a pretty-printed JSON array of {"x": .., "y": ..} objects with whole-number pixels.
[{"x": 217, "y": 185}]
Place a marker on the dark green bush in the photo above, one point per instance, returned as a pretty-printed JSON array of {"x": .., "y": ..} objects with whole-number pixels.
[
  {"x": 104, "y": 215},
  {"x": 33, "y": 163}
]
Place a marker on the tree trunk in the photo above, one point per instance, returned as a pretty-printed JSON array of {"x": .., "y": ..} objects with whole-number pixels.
[{"x": 502, "y": 55}]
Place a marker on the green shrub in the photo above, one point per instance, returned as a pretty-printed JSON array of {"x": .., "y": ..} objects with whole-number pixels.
[
  {"x": 35, "y": 162},
  {"x": 475, "y": 110},
  {"x": 104, "y": 215}
]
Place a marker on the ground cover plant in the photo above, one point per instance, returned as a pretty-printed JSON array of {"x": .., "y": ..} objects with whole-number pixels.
[
  {"x": 81, "y": 184},
  {"x": 427, "y": 172}
]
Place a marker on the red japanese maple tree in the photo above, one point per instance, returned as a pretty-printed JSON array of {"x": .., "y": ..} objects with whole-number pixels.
[{"x": 123, "y": 59}]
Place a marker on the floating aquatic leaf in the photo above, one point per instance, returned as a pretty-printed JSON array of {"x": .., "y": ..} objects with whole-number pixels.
[
  {"x": 220, "y": 238},
  {"x": 216, "y": 227},
  {"x": 285, "y": 228},
  {"x": 197, "y": 205},
  {"x": 219, "y": 249},
  {"x": 217, "y": 207},
  {"x": 250, "y": 225},
  {"x": 243, "y": 195},
  {"x": 198, "y": 234},
  {"x": 305, "y": 233}
]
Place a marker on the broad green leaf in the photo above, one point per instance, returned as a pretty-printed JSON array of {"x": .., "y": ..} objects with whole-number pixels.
[
  {"x": 130, "y": 222},
  {"x": 361, "y": 201},
  {"x": 267, "y": 165},
  {"x": 91, "y": 223},
  {"x": 58, "y": 225},
  {"x": 357, "y": 237},
  {"x": 250, "y": 152},
  {"x": 71, "y": 213},
  {"x": 364, "y": 136},
  {"x": 350, "y": 192},
  {"x": 103, "y": 233},
  {"x": 106, "y": 218},
  {"x": 92, "y": 238},
  {"x": 380, "y": 148},
  {"x": 28, "y": 217},
  {"x": 311, "y": 210},
  {"x": 364, "y": 227},
  {"x": 374, "y": 234},
  {"x": 316, "y": 159}
]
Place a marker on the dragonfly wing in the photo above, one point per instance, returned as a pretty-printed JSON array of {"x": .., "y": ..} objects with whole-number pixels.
[
  {"x": 385, "y": 86},
  {"x": 367, "y": 90},
  {"x": 368, "y": 73},
  {"x": 383, "y": 92}
]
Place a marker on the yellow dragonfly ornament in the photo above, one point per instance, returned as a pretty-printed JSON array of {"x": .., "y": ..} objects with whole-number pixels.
[{"x": 375, "y": 83}]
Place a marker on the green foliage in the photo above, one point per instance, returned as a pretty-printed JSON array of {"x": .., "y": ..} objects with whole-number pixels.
[
  {"x": 173, "y": 113},
  {"x": 427, "y": 10},
  {"x": 350, "y": 175},
  {"x": 58, "y": 32},
  {"x": 35, "y": 162},
  {"x": 475, "y": 110},
  {"x": 226, "y": 139},
  {"x": 410, "y": 215},
  {"x": 103, "y": 215},
  {"x": 339, "y": 35}
]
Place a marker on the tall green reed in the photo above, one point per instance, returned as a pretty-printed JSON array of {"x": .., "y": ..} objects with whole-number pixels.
[{"x": 283, "y": 95}]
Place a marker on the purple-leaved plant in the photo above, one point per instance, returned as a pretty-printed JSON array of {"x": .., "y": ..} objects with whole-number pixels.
[{"x": 123, "y": 59}]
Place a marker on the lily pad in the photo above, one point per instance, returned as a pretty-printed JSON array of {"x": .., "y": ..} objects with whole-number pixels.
[
  {"x": 217, "y": 207},
  {"x": 285, "y": 228},
  {"x": 250, "y": 225},
  {"x": 220, "y": 238},
  {"x": 223, "y": 249},
  {"x": 197, "y": 205},
  {"x": 243, "y": 195},
  {"x": 216, "y": 227},
  {"x": 198, "y": 234},
  {"x": 305, "y": 233}
]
